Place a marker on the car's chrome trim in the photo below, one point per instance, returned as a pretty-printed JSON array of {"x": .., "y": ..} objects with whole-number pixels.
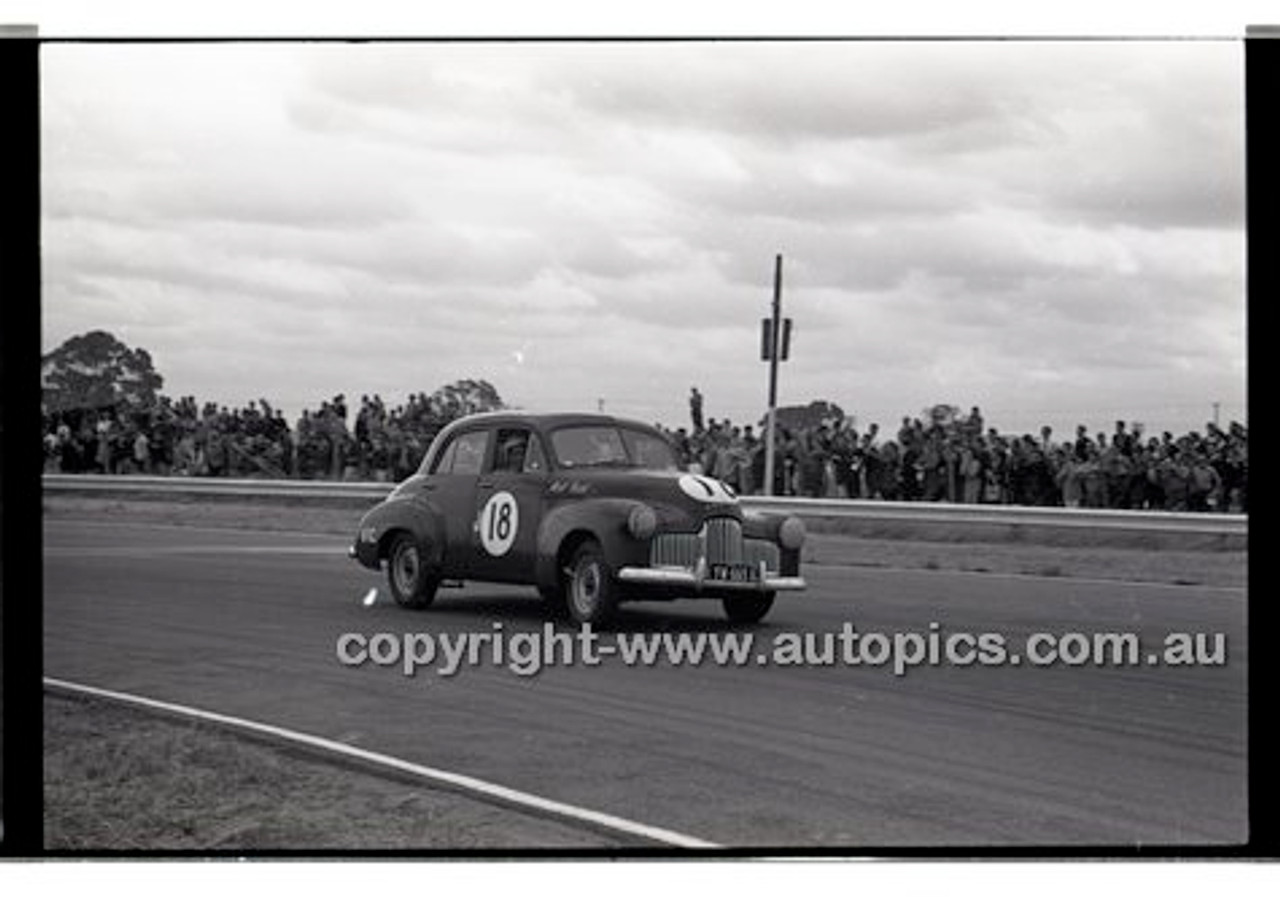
[
  {"x": 697, "y": 578},
  {"x": 720, "y": 540}
]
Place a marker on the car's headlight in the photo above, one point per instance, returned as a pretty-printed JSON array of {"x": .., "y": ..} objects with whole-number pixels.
[
  {"x": 642, "y": 522},
  {"x": 791, "y": 533}
]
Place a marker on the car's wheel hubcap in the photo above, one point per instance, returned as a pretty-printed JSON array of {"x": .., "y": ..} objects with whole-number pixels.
[
  {"x": 586, "y": 588},
  {"x": 406, "y": 568}
]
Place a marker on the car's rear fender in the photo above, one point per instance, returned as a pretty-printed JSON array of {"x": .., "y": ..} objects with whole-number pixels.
[{"x": 418, "y": 517}]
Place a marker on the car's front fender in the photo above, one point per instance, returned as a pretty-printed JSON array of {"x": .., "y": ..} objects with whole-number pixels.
[{"x": 602, "y": 519}]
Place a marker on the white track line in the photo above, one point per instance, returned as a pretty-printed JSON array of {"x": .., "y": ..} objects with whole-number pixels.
[
  {"x": 452, "y": 779},
  {"x": 337, "y": 551},
  {"x": 50, "y": 519}
]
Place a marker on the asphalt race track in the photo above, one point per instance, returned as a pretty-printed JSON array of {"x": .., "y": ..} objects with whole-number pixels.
[{"x": 757, "y": 756}]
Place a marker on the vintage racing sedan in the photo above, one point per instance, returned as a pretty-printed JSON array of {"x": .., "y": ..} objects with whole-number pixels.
[{"x": 593, "y": 510}]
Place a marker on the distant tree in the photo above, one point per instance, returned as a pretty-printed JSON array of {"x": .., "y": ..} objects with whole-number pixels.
[
  {"x": 463, "y": 397},
  {"x": 812, "y": 415},
  {"x": 96, "y": 370},
  {"x": 942, "y": 415}
]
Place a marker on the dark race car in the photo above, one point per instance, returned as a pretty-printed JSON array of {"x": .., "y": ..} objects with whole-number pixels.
[{"x": 591, "y": 509}]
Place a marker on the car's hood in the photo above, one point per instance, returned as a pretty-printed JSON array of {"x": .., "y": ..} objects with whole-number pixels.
[{"x": 695, "y": 495}]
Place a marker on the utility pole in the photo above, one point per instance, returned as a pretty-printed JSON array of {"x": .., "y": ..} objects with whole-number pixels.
[
  {"x": 771, "y": 345},
  {"x": 1215, "y": 413},
  {"x": 600, "y": 405}
]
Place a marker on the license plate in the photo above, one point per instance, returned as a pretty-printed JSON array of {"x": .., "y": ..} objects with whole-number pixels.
[{"x": 734, "y": 573}]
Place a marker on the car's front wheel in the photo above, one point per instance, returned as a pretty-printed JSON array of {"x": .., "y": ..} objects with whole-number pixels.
[
  {"x": 592, "y": 594},
  {"x": 748, "y": 608},
  {"x": 412, "y": 584}
]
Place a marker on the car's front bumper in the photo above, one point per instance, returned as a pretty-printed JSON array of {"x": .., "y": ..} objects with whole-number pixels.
[{"x": 698, "y": 579}]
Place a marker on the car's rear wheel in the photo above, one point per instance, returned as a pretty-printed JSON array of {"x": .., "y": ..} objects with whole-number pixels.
[
  {"x": 748, "y": 608},
  {"x": 592, "y": 595},
  {"x": 412, "y": 584}
]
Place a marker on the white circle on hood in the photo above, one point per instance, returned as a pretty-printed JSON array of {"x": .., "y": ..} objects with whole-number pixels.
[{"x": 706, "y": 489}]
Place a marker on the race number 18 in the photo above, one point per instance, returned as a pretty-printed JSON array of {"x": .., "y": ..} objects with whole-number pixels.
[{"x": 499, "y": 522}]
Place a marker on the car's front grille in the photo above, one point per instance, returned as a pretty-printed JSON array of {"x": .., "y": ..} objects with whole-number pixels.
[
  {"x": 724, "y": 540},
  {"x": 675, "y": 550},
  {"x": 720, "y": 541}
]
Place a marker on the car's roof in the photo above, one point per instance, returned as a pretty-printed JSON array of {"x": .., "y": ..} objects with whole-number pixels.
[
  {"x": 541, "y": 422},
  {"x": 548, "y": 421}
]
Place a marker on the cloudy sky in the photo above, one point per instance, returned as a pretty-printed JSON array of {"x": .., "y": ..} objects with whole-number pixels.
[{"x": 1051, "y": 230}]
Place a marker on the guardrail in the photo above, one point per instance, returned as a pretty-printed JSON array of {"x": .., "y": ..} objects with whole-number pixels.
[
  {"x": 883, "y": 511},
  {"x": 216, "y": 486},
  {"x": 1006, "y": 515}
]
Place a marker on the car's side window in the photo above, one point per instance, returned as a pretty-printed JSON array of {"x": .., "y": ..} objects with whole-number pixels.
[
  {"x": 519, "y": 451},
  {"x": 535, "y": 460},
  {"x": 445, "y": 461},
  {"x": 468, "y": 457},
  {"x": 513, "y": 446}
]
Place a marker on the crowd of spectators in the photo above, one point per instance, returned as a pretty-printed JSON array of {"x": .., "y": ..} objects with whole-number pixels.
[
  {"x": 170, "y": 437},
  {"x": 185, "y": 439},
  {"x": 953, "y": 460},
  {"x": 960, "y": 460}
]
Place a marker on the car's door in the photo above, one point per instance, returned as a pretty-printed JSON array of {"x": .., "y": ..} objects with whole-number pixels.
[
  {"x": 508, "y": 507},
  {"x": 452, "y": 487}
]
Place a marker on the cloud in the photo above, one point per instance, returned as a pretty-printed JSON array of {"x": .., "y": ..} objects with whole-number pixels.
[{"x": 599, "y": 220}]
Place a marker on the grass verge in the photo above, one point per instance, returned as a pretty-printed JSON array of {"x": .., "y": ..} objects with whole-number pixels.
[
  {"x": 1173, "y": 566},
  {"x": 117, "y": 778}
]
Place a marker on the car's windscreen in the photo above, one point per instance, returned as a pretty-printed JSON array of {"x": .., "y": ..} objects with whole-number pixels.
[
  {"x": 649, "y": 451},
  {"x": 600, "y": 446},
  {"x": 589, "y": 447}
]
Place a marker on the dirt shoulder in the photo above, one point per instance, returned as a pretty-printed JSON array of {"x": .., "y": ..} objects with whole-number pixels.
[{"x": 117, "y": 778}]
